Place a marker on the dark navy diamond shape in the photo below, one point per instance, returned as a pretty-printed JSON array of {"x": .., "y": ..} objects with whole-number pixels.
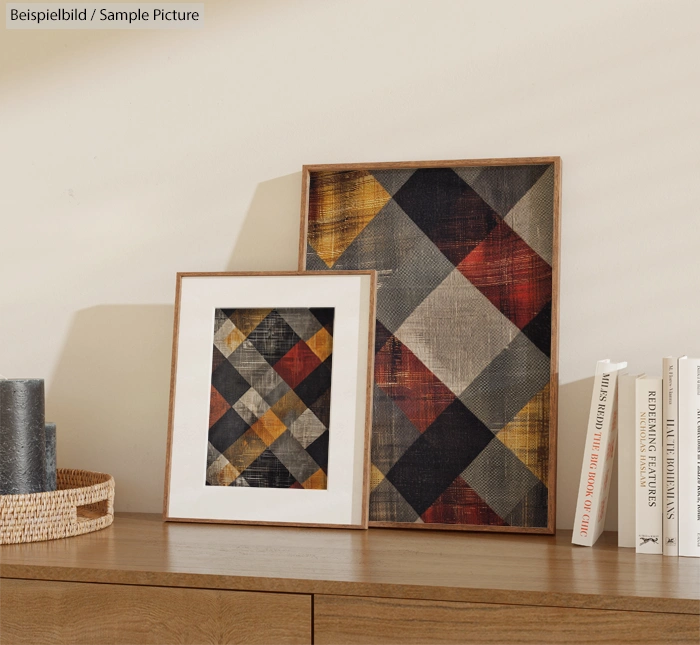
[
  {"x": 319, "y": 451},
  {"x": 226, "y": 431},
  {"x": 447, "y": 210},
  {"x": 314, "y": 385},
  {"x": 273, "y": 337},
  {"x": 438, "y": 456},
  {"x": 268, "y": 472},
  {"x": 325, "y": 316},
  {"x": 539, "y": 330},
  {"x": 229, "y": 383}
]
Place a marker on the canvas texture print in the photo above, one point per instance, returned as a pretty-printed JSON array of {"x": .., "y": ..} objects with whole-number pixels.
[
  {"x": 463, "y": 333},
  {"x": 270, "y": 398}
]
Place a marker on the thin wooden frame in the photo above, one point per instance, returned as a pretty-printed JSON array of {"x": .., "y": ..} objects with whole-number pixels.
[
  {"x": 368, "y": 398},
  {"x": 555, "y": 161}
]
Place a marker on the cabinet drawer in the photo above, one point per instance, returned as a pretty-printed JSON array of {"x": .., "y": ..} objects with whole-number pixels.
[
  {"x": 347, "y": 620},
  {"x": 34, "y": 611}
]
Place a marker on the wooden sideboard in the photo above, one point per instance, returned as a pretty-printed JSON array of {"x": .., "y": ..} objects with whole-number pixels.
[{"x": 143, "y": 581}]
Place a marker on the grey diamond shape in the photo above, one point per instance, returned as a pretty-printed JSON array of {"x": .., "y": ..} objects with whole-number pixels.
[
  {"x": 313, "y": 262},
  {"x": 302, "y": 321},
  {"x": 253, "y": 367},
  {"x": 215, "y": 467},
  {"x": 469, "y": 173},
  {"x": 393, "y": 432},
  {"x": 219, "y": 319},
  {"x": 456, "y": 332},
  {"x": 532, "y": 218},
  {"x": 293, "y": 456},
  {"x": 251, "y": 406},
  {"x": 504, "y": 387},
  {"x": 388, "y": 505},
  {"x": 501, "y": 187},
  {"x": 223, "y": 329},
  {"x": 399, "y": 293},
  {"x": 240, "y": 481},
  {"x": 307, "y": 428},
  {"x": 499, "y": 477},
  {"x": 277, "y": 392},
  {"x": 370, "y": 250},
  {"x": 392, "y": 179}
]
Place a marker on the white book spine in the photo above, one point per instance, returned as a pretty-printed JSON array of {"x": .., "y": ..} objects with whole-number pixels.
[
  {"x": 598, "y": 456},
  {"x": 689, "y": 457},
  {"x": 626, "y": 461},
  {"x": 649, "y": 520},
  {"x": 670, "y": 456}
]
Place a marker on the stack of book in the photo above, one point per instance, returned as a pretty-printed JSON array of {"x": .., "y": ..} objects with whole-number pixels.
[{"x": 656, "y": 424}]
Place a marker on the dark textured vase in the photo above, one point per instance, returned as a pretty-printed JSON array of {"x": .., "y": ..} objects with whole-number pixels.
[
  {"x": 50, "y": 430},
  {"x": 22, "y": 436}
]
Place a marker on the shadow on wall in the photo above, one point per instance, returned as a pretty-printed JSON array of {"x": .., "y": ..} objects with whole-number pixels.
[
  {"x": 574, "y": 406},
  {"x": 269, "y": 237},
  {"x": 109, "y": 397}
]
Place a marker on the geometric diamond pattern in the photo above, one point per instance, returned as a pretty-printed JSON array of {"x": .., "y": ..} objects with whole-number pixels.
[
  {"x": 456, "y": 309},
  {"x": 411, "y": 385},
  {"x": 270, "y": 398},
  {"x": 398, "y": 432},
  {"x": 531, "y": 217},
  {"x": 525, "y": 435},
  {"x": 448, "y": 211},
  {"x": 463, "y": 335},
  {"x": 507, "y": 383},
  {"x": 368, "y": 250},
  {"x": 349, "y": 201},
  {"x": 499, "y": 478},
  {"x": 403, "y": 289},
  {"x": 510, "y": 274},
  {"x": 439, "y": 455},
  {"x": 460, "y": 504},
  {"x": 502, "y": 187}
]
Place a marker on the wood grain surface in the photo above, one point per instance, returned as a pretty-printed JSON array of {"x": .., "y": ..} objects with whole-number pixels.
[
  {"x": 470, "y": 567},
  {"x": 63, "y": 612},
  {"x": 348, "y": 620}
]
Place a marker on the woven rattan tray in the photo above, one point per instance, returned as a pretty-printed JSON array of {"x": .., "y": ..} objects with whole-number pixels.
[{"x": 84, "y": 502}]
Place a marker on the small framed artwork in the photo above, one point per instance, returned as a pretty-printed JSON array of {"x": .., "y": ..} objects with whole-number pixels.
[
  {"x": 465, "y": 383},
  {"x": 270, "y": 402}
]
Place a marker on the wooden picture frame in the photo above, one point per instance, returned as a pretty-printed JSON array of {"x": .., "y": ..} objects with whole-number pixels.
[
  {"x": 353, "y": 216},
  {"x": 270, "y": 391}
]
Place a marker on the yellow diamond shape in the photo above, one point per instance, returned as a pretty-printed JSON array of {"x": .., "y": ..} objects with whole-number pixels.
[
  {"x": 341, "y": 204},
  {"x": 527, "y": 435},
  {"x": 234, "y": 339},
  {"x": 376, "y": 477},
  {"x": 248, "y": 319},
  {"x": 227, "y": 475},
  {"x": 321, "y": 343},
  {"x": 245, "y": 450},
  {"x": 317, "y": 481},
  {"x": 268, "y": 427}
]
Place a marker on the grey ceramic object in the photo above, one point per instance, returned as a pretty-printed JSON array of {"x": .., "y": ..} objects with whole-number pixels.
[
  {"x": 22, "y": 436},
  {"x": 50, "y": 431}
]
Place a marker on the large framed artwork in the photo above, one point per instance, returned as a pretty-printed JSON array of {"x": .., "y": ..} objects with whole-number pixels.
[
  {"x": 465, "y": 392},
  {"x": 270, "y": 401}
]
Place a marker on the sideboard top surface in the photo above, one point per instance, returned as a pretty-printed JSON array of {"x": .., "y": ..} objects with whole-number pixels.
[{"x": 431, "y": 565}]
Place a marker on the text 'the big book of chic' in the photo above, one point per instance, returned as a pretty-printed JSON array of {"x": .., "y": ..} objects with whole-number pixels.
[{"x": 599, "y": 452}]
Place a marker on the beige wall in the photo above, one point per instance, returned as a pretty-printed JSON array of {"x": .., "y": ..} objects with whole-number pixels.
[{"x": 127, "y": 156}]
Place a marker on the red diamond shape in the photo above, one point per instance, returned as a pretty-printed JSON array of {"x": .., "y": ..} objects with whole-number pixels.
[
  {"x": 297, "y": 364},
  {"x": 460, "y": 504},
  {"x": 410, "y": 384},
  {"x": 218, "y": 406},
  {"x": 510, "y": 274}
]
